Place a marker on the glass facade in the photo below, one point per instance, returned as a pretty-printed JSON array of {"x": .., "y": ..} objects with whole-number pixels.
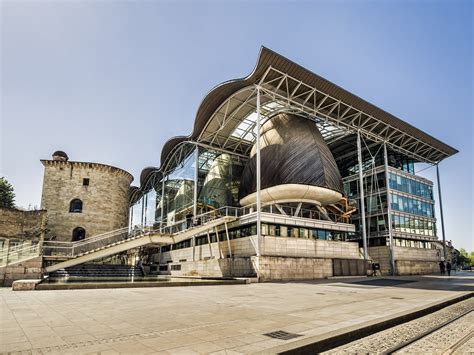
[
  {"x": 179, "y": 190},
  {"x": 414, "y": 225},
  {"x": 218, "y": 180},
  {"x": 372, "y": 155},
  {"x": 272, "y": 230},
  {"x": 412, "y": 205},
  {"x": 169, "y": 198},
  {"x": 411, "y": 202},
  {"x": 410, "y": 186}
]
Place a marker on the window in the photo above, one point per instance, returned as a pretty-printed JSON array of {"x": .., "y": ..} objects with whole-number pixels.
[
  {"x": 75, "y": 206},
  {"x": 85, "y": 182},
  {"x": 78, "y": 233}
]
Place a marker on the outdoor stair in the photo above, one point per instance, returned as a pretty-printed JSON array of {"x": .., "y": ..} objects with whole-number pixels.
[
  {"x": 98, "y": 270},
  {"x": 152, "y": 237}
]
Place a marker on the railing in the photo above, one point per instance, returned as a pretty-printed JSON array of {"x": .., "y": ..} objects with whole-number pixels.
[
  {"x": 199, "y": 220},
  {"x": 72, "y": 249},
  {"x": 17, "y": 255},
  {"x": 292, "y": 212}
]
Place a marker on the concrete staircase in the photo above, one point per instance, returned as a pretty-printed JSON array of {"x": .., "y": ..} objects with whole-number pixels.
[
  {"x": 110, "y": 245},
  {"x": 98, "y": 270}
]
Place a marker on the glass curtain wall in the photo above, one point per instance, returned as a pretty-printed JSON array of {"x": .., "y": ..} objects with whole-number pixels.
[
  {"x": 179, "y": 186},
  {"x": 219, "y": 178},
  {"x": 168, "y": 198}
]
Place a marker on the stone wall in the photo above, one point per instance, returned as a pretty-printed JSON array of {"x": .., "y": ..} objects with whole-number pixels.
[
  {"x": 105, "y": 199},
  {"x": 21, "y": 234},
  {"x": 416, "y": 261},
  {"x": 24, "y": 225},
  {"x": 418, "y": 267},
  {"x": 282, "y": 259},
  {"x": 381, "y": 255},
  {"x": 25, "y": 270},
  {"x": 408, "y": 261},
  {"x": 309, "y": 248},
  {"x": 228, "y": 267},
  {"x": 277, "y": 268}
]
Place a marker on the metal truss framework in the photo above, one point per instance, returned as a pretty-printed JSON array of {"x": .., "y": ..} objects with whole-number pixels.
[{"x": 232, "y": 127}]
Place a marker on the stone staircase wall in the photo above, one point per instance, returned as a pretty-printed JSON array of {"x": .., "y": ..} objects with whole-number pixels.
[{"x": 24, "y": 270}]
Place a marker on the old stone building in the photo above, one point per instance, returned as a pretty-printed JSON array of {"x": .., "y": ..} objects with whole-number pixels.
[{"x": 83, "y": 199}]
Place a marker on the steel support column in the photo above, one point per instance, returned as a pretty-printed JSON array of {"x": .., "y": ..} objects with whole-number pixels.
[
  {"x": 362, "y": 198},
  {"x": 441, "y": 212},
  {"x": 228, "y": 240},
  {"x": 209, "y": 243},
  {"x": 258, "y": 174},
  {"x": 196, "y": 172},
  {"x": 389, "y": 208},
  {"x": 162, "y": 199}
]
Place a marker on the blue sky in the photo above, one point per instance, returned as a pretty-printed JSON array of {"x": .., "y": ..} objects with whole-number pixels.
[{"x": 111, "y": 81}]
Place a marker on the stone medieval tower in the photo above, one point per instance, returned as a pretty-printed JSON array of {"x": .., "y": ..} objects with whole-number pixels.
[{"x": 83, "y": 199}]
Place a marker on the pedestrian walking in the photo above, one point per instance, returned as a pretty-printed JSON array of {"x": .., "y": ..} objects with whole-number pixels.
[
  {"x": 441, "y": 267},
  {"x": 448, "y": 268},
  {"x": 374, "y": 270}
]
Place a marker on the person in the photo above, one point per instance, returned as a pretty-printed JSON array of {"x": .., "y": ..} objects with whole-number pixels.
[
  {"x": 441, "y": 267},
  {"x": 189, "y": 220},
  {"x": 140, "y": 266},
  {"x": 448, "y": 268},
  {"x": 374, "y": 270}
]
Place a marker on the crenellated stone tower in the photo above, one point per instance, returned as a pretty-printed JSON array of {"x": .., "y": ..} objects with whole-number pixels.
[{"x": 83, "y": 199}]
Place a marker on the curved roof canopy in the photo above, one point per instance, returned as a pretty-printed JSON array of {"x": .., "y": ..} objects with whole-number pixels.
[{"x": 226, "y": 117}]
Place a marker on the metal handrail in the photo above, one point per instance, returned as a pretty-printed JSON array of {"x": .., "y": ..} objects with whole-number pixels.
[{"x": 71, "y": 249}]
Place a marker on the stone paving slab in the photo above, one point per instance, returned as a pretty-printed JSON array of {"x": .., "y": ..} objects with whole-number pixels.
[{"x": 212, "y": 319}]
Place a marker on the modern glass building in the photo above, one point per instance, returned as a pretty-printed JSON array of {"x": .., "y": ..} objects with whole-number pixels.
[{"x": 306, "y": 169}]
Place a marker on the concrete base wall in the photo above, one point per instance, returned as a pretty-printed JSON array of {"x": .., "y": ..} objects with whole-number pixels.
[
  {"x": 381, "y": 255},
  {"x": 277, "y": 268},
  {"x": 281, "y": 259},
  {"x": 236, "y": 267},
  {"x": 416, "y": 267},
  {"x": 408, "y": 261},
  {"x": 25, "y": 270}
]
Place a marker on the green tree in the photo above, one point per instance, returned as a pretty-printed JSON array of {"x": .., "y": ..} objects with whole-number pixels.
[
  {"x": 7, "y": 196},
  {"x": 472, "y": 257},
  {"x": 463, "y": 257}
]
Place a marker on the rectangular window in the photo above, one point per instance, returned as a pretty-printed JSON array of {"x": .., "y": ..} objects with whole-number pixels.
[
  {"x": 321, "y": 234},
  {"x": 271, "y": 230},
  {"x": 85, "y": 182}
]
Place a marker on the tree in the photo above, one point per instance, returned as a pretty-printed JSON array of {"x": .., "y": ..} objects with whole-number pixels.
[
  {"x": 463, "y": 257},
  {"x": 7, "y": 196}
]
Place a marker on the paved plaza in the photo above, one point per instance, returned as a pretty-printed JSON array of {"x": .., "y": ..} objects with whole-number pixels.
[{"x": 210, "y": 319}]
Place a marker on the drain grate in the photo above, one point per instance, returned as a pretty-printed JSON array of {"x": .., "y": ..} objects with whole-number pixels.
[
  {"x": 282, "y": 335},
  {"x": 397, "y": 298}
]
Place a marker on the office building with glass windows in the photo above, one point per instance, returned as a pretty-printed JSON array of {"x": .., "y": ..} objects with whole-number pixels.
[{"x": 289, "y": 176}]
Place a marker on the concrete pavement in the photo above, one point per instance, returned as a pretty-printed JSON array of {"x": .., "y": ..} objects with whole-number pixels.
[{"x": 212, "y": 319}]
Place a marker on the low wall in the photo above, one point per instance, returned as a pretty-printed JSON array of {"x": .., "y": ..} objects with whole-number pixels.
[
  {"x": 408, "y": 261},
  {"x": 25, "y": 270},
  {"x": 381, "y": 255},
  {"x": 416, "y": 267},
  {"x": 309, "y": 248},
  {"x": 236, "y": 267},
  {"x": 278, "y": 268}
]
